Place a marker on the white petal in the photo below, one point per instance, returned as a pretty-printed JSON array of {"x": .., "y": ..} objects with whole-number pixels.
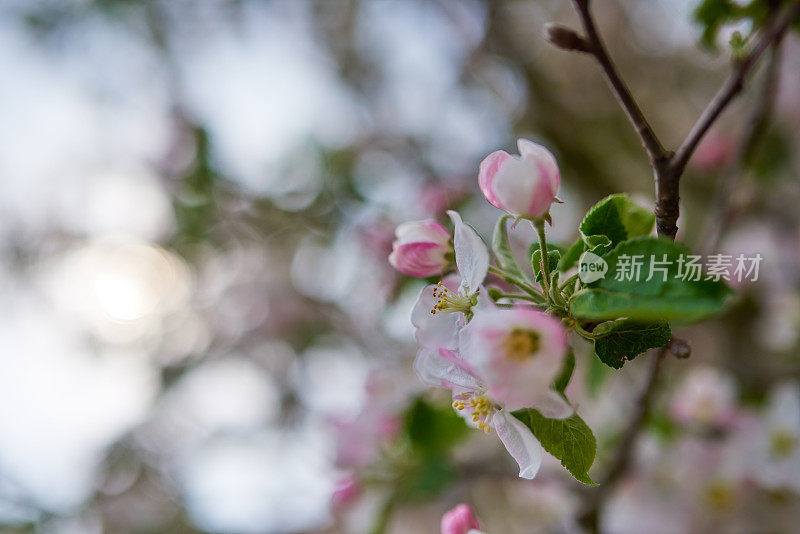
[
  {"x": 553, "y": 406},
  {"x": 434, "y": 368},
  {"x": 520, "y": 443},
  {"x": 472, "y": 257},
  {"x": 516, "y": 183},
  {"x": 434, "y": 330}
]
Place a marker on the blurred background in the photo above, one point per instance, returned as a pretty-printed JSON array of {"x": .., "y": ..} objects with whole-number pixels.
[{"x": 201, "y": 332}]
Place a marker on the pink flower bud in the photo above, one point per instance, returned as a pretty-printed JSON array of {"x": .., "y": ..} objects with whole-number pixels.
[
  {"x": 421, "y": 248},
  {"x": 459, "y": 520},
  {"x": 347, "y": 490},
  {"x": 524, "y": 185}
]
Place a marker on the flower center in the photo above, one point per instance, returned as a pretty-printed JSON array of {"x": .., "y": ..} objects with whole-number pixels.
[
  {"x": 450, "y": 302},
  {"x": 782, "y": 443},
  {"x": 719, "y": 495},
  {"x": 479, "y": 406},
  {"x": 519, "y": 345}
]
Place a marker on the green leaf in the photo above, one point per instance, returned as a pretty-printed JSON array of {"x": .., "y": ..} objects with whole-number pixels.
[
  {"x": 596, "y": 376},
  {"x": 570, "y": 440},
  {"x": 675, "y": 299},
  {"x": 625, "y": 339},
  {"x": 712, "y": 15},
  {"x": 571, "y": 256},
  {"x": 562, "y": 380},
  {"x": 432, "y": 429},
  {"x": 502, "y": 249},
  {"x": 425, "y": 480},
  {"x": 536, "y": 261},
  {"x": 617, "y": 218}
]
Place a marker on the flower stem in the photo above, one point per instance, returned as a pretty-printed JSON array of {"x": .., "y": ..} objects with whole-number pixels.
[
  {"x": 533, "y": 292},
  {"x": 568, "y": 281},
  {"x": 539, "y": 225}
]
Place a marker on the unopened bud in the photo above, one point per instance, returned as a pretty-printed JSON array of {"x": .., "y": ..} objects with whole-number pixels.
[
  {"x": 564, "y": 38},
  {"x": 680, "y": 348}
]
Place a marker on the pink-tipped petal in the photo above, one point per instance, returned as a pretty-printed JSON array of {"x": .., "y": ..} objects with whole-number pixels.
[
  {"x": 419, "y": 259},
  {"x": 420, "y": 248},
  {"x": 515, "y": 380},
  {"x": 525, "y": 185},
  {"x": 487, "y": 171}
]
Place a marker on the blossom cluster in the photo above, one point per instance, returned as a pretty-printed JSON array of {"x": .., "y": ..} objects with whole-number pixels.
[{"x": 495, "y": 359}]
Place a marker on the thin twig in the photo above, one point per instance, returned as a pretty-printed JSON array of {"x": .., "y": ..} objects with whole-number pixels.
[
  {"x": 597, "y": 48},
  {"x": 668, "y": 169},
  {"x": 619, "y": 465},
  {"x": 732, "y": 86},
  {"x": 751, "y": 139}
]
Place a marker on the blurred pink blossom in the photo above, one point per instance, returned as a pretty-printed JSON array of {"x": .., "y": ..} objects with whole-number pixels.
[
  {"x": 715, "y": 152},
  {"x": 460, "y": 520}
]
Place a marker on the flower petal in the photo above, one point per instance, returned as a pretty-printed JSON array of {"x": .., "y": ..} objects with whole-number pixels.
[
  {"x": 520, "y": 443},
  {"x": 428, "y": 230},
  {"x": 472, "y": 257},
  {"x": 435, "y": 330},
  {"x": 553, "y": 406},
  {"x": 420, "y": 259},
  {"x": 516, "y": 183},
  {"x": 487, "y": 171},
  {"x": 440, "y": 367}
]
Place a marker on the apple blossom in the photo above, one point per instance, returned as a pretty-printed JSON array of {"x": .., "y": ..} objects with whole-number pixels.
[
  {"x": 777, "y": 451},
  {"x": 460, "y": 520},
  {"x": 706, "y": 397},
  {"x": 518, "y": 352},
  {"x": 443, "y": 307},
  {"x": 508, "y": 359},
  {"x": 524, "y": 185},
  {"x": 421, "y": 248}
]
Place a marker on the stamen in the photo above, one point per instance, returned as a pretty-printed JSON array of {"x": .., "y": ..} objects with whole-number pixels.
[
  {"x": 480, "y": 408},
  {"x": 451, "y": 302}
]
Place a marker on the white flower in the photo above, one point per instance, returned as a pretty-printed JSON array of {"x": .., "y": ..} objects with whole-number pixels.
[
  {"x": 442, "y": 308},
  {"x": 706, "y": 397},
  {"x": 777, "y": 455},
  {"x": 485, "y": 390}
]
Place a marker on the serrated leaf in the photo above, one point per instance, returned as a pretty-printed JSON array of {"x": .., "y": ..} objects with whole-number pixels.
[
  {"x": 625, "y": 339},
  {"x": 657, "y": 299},
  {"x": 536, "y": 261},
  {"x": 562, "y": 380},
  {"x": 570, "y": 440},
  {"x": 502, "y": 249},
  {"x": 617, "y": 218}
]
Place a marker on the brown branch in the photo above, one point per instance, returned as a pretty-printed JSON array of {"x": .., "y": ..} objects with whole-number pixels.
[
  {"x": 596, "y": 47},
  {"x": 668, "y": 169},
  {"x": 619, "y": 465},
  {"x": 732, "y": 86}
]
